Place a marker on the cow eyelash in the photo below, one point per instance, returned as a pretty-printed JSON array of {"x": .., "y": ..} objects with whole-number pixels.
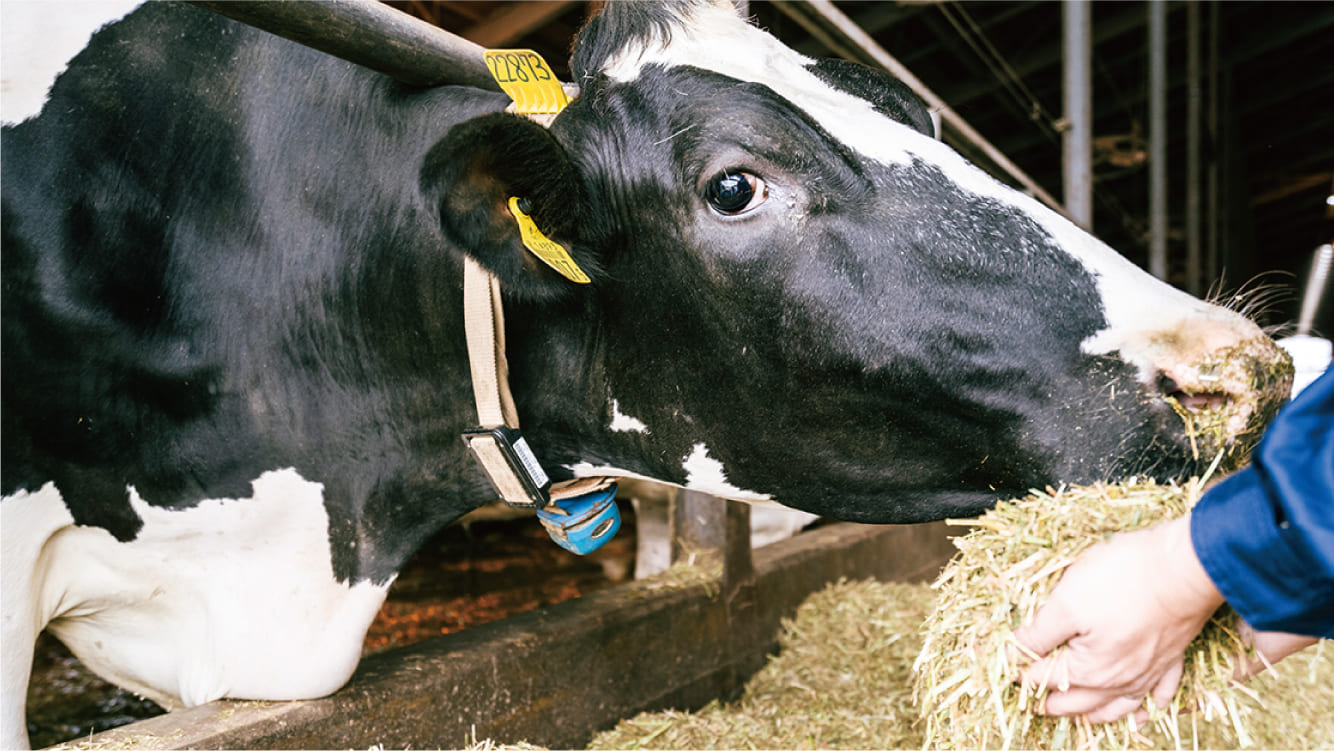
[{"x": 735, "y": 192}]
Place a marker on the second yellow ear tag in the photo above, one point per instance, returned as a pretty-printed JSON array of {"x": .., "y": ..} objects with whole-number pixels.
[{"x": 551, "y": 252}]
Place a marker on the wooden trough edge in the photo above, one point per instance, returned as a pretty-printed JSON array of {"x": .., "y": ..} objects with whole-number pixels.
[{"x": 555, "y": 676}]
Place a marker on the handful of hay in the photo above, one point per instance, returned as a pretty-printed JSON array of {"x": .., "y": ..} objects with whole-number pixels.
[{"x": 1005, "y": 569}]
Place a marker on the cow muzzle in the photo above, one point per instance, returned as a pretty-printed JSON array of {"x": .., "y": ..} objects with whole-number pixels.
[{"x": 1225, "y": 392}]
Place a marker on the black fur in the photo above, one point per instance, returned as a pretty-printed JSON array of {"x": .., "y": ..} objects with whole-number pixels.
[{"x": 217, "y": 260}]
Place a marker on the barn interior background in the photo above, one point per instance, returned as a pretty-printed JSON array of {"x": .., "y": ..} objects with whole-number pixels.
[
  {"x": 1240, "y": 147},
  {"x": 1246, "y": 118}
]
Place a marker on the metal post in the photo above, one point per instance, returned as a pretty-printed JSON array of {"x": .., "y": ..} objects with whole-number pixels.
[
  {"x": 707, "y": 530},
  {"x": 1077, "y": 138},
  {"x": 1157, "y": 55},
  {"x": 1194, "y": 273},
  {"x": 738, "y": 561},
  {"x": 698, "y": 527},
  {"x": 1212, "y": 267},
  {"x": 1315, "y": 288}
]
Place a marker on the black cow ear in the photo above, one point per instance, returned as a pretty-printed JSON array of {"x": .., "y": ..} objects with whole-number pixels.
[
  {"x": 889, "y": 95},
  {"x": 472, "y": 174}
]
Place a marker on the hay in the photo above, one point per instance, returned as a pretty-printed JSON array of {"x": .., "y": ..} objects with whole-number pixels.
[
  {"x": 487, "y": 744},
  {"x": 1005, "y": 569},
  {"x": 842, "y": 680}
]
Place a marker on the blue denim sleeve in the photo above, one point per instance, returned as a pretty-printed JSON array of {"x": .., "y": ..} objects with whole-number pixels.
[{"x": 1265, "y": 535}]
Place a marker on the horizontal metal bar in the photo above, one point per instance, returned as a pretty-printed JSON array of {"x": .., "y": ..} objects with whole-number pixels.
[{"x": 372, "y": 34}]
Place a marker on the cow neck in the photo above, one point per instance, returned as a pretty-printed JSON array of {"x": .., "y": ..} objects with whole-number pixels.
[{"x": 497, "y": 442}]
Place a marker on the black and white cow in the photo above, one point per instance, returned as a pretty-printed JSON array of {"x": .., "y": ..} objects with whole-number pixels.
[{"x": 234, "y": 376}]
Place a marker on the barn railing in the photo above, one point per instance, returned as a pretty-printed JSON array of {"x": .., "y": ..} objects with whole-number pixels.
[{"x": 369, "y": 33}]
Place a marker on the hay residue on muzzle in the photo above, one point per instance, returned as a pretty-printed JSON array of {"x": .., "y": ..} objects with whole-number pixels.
[{"x": 1228, "y": 397}]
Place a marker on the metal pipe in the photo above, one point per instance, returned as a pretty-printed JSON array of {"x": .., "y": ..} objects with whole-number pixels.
[
  {"x": 1315, "y": 288},
  {"x": 1157, "y": 54},
  {"x": 1194, "y": 275},
  {"x": 857, "y": 36},
  {"x": 1077, "y": 88},
  {"x": 1212, "y": 220},
  {"x": 372, "y": 34}
]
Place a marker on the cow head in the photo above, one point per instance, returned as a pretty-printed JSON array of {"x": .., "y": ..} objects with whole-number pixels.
[{"x": 799, "y": 294}]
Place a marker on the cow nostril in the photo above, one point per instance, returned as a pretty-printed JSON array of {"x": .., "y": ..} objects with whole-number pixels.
[{"x": 1167, "y": 386}]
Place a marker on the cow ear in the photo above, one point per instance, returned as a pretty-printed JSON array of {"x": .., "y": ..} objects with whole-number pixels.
[
  {"x": 472, "y": 174},
  {"x": 889, "y": 95}
]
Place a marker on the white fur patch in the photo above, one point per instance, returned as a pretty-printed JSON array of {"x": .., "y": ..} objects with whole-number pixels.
[
  {"x": 586, "y": 469},
  {"x": 1136, "y": 304},
  {"x": 38, "y": 38},
  {"x": 27, "y": 521},
  {"x": 717, "y": 39},
  {"x": 623, "y": 423},
  {"x": 707, "y": 475},
  {"x": 230, "y": 598}
]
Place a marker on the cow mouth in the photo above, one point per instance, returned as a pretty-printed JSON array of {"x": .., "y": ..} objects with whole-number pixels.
[
  {"x": 1211, "y": 420},
  {"x": 1197, "y": 403},
  {"x": 1226, "y": 399}
]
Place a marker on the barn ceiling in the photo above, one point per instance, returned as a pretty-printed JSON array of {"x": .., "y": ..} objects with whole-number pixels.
[{"x": 1267, "y": 84}]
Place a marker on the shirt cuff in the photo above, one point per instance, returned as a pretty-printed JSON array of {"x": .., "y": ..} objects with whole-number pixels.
[{"x": 1258, "y": 561}]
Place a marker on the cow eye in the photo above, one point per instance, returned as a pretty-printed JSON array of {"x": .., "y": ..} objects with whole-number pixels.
[{"x": 732, "y": 193}]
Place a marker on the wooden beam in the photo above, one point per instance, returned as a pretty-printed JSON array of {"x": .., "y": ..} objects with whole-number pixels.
[
  {"x": 1291, "y": 186},
  {"x": 513, "y": 20}
]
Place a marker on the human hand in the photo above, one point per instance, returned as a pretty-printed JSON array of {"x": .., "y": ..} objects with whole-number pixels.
[
  {"x": 1267, "y": 648},
  {"x": 1126, "y": 609}
]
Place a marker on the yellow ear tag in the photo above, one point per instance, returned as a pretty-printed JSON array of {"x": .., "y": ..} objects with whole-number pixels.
[
  {"x": 551, "y": 252},
  {"x": 525, "y": 76}
]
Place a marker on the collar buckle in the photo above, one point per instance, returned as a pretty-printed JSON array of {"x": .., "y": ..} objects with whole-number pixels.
[{"x": 510, "y": 465}]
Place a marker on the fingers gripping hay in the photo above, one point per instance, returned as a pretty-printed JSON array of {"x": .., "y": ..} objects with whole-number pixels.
[{"x": 1006, "y": 567}]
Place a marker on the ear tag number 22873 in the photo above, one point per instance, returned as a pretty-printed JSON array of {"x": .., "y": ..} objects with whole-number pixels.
[{"x": 525, "y": 76}]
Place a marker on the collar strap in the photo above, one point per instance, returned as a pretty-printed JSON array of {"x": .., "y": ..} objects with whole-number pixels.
[{"x": 496, "y": 443}]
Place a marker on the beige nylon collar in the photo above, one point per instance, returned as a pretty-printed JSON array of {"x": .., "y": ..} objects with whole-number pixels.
[{"x": 497, "y": 444}]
